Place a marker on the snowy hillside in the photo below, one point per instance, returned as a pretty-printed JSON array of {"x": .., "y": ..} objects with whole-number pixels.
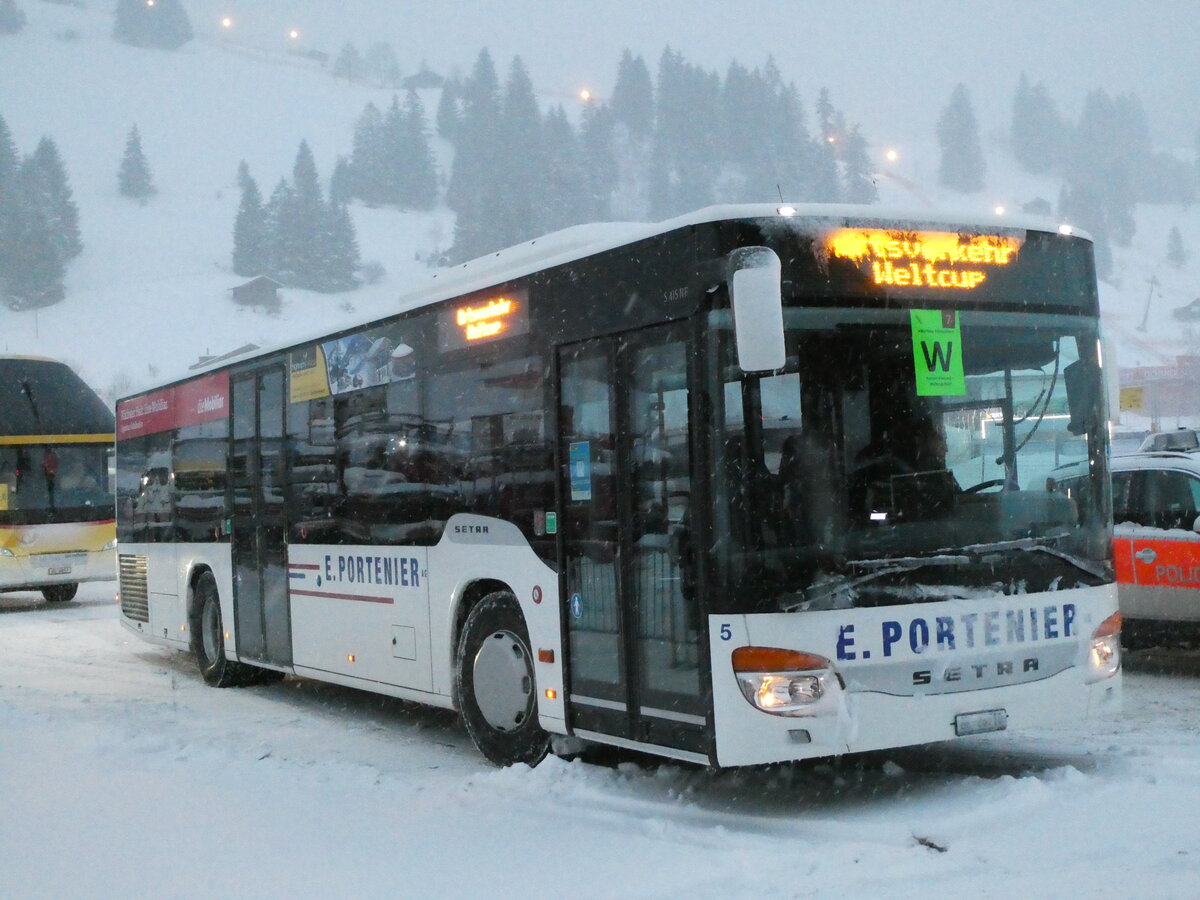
[{"x": 150, "y": 293}]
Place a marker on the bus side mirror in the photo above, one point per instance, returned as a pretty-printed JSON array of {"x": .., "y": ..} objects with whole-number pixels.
[
  {"x": 756, "y": 293},
  {"x": 1084, "y": 400}
]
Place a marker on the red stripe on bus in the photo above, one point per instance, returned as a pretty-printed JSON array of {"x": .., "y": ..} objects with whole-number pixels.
[{"x": 359, "y": 597}]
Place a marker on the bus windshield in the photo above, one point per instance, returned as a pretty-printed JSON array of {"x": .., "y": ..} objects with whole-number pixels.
[
  {"x": 876, "y": 469},
  {"x": 54, "y": 482}
]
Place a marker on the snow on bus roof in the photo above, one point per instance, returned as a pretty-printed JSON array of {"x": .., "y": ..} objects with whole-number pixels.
[{"x": 581, "y": 241}]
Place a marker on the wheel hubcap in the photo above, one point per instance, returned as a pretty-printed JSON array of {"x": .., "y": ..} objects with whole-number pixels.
[
  {"x": 210, "y": 628},
  {"x": 503, "y": 680}
]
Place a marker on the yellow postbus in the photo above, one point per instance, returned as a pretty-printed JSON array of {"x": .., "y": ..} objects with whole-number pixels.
[{"x": 57, "y": 524}]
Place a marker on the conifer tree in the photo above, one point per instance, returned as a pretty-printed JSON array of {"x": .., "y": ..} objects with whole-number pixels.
[
  {"x": 339, "y": 251},
  {"x": 163, "y": 24},
  {"x": 471, "y": 193},
  {"x": 1099, "y": 166},
  {"x": 791, "y": 148},
  {"x": 1038, "y": 133},
  {"x": 824, "y": 184},
  {"x": 632, "y": 102},
  {"x": 251, "y": 236},
  {"x": 367, "y": 157},
  {"x": 684, "y": 160},
  {"x": 599, "y": 166},
  {"x": 563, "y": 201},
  {"x": 305, "y": 219},
  {"x": 517, "y": 161},
  {"x": 34, "y": 267},
  {"x": 448, "y": 116},
  {"x": 1083, "y": 205},
  {"x": 10, "y": 160},
  {"x": 280, "y": 255},
  {"x": 858, "y": 176},
  {"x": 349, "y": 63},
  {"x": 962, "y": 167},
  {"x": 133, "y": 177},
  {"x": 1176, "y": 254},
  {"x": 12, "y": 17},
  {"x": 420, "y": 185},
  {"x": 49, "y": 179},
  {"x": 341, "y": 182}
]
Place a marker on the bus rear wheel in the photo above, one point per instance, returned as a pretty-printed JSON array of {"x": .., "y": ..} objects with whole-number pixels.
[
  {"x": 208, "y": 636},
  {"x": 495, "y": 687},
  {"x": 59, "y": 593}
]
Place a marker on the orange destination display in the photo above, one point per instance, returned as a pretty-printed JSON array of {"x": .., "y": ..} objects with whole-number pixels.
[
  {"x": 484, "y": 316},
  {"x": 925, "y": 259}
]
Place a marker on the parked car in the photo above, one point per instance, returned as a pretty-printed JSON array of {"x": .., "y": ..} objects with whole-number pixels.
[{"x": 1156, "y": 537}]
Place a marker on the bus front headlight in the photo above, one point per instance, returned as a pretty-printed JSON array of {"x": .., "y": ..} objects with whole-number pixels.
[
  {"x": 1104, "y": 657},
  {"x": 780, "y": 682}
]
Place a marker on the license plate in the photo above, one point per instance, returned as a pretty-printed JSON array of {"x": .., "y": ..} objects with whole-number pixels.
[
  {"x": 59, "y": 570},
  {"x": 980, "y": 722}
]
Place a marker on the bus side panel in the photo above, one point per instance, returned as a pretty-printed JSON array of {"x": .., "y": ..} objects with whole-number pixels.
[
  {"x": 901, "y": 675},
  {"x": 361, "y": 612},
  {"x": 478, "y": 548}
]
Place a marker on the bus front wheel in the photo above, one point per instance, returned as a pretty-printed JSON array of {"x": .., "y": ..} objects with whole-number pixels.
[
  {"x": 59, "y": 593},
  {"x": 495, "y": 686},
  {"x": 208, "y": 636}
]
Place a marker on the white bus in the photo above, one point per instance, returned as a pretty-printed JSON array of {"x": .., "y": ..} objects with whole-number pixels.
[{"x": 752, "y": 485}]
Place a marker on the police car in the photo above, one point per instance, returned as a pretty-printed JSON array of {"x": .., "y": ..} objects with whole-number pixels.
[{"x": 1156, "y": 534}]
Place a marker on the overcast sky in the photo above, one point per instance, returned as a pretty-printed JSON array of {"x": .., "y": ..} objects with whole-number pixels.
[{"x": 890, "y": 64}]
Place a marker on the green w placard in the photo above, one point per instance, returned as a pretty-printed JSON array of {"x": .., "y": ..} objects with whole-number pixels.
[{"x": 937, "y": 353}]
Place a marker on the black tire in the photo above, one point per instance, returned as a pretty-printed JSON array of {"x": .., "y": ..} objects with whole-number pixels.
[
  {"x": 208, "y": 636},
  {"x": 495, "y": 688},
  {"x": 59, "y": 593}
]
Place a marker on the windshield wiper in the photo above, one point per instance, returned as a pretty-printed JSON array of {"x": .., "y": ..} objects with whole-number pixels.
[
  {"x": 1039, "y": 545},
  {"x": 825, "y": 594},
  {"x": 821, "y": 595}
]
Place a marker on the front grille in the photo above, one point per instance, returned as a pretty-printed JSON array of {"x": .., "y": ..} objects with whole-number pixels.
[{"x": 135, "y": 600}]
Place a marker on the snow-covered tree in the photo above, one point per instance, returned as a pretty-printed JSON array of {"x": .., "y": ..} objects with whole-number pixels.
[
  {"x": 684, "y": 163},
  {"x": 419, "y": 186},
  {"x": 858, "y": 176},
  {"x": 472, "y": 193},
  {"x": 448, "y": 116},
  {"x": 1176, "y": 254},
  {"x": 10, "y": 160},
  {"x": 962, "y": 167},
  {"x": 1038, "y": 133},
  {"x": 349, "y": 63},
  {"x": 339, "y": 251},
  {"x": 163, "y": 24},
  {"x": 251, "y": 233},
  {"x": 12, "y": 17},
  {"x": 133, "y": 177},
  {"x": 632, "y": 101},
  {"x": 49, "y": 180},
  {"x": 32, "y": 266}
]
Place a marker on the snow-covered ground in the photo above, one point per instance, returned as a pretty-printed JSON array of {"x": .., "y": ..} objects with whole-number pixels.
[{"x": 123, "y": 776}]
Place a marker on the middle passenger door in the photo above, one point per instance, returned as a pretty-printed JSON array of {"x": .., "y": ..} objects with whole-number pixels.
[{"x": 628, "y": 568}]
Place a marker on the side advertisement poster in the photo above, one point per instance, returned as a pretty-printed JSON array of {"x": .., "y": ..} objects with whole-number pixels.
[
  {"x": 366, "y": 359},
  {"x": 201, "y": 400}
]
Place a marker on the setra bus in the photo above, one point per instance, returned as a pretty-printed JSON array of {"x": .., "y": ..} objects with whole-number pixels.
[
  {"x": 754, "y": 484},
  {"x": 57, "y": 525}
]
